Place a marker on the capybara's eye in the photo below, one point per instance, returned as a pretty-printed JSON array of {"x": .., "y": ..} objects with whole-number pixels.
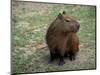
[{"x": 67, "y": 20}]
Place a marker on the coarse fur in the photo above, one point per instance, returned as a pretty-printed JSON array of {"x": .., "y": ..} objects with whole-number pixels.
[{"x": 62, "y": 38}]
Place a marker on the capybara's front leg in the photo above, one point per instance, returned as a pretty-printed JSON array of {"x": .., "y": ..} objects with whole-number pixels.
[
  {"x": 61, "y": 61},
  {"x": 72, "y": 56}
]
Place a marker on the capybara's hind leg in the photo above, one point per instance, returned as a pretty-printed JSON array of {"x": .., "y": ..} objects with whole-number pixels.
[{"x": 52, "y": 56}]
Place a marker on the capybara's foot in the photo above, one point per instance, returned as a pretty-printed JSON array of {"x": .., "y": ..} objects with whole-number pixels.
[
  {"x": 61, "y": 63},
  {"x": 51, "y": 60},
  {"x": 72, "y": 57}
]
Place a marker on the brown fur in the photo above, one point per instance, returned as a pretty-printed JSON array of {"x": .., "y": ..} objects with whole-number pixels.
[{"x": 62, "y": 38}]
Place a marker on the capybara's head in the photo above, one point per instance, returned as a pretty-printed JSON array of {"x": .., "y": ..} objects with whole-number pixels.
[{"x": 70, "y": 24}]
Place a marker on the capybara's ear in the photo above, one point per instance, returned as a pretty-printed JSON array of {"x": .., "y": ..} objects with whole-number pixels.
[
  {"x": 64, "y": 12},
  {"x": 60, "y": 16}
]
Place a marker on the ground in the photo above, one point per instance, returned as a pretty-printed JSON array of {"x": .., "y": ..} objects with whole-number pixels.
[{"x": 30, "y": 22}]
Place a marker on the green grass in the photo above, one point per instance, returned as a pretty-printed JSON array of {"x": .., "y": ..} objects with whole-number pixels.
[{"x": 29, "y": 25}]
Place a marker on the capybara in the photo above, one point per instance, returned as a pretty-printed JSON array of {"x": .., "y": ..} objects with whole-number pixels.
[{"x": 62, "y": 38}]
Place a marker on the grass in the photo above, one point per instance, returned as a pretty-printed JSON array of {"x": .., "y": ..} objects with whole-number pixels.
[{"x": 29, "y": 25}]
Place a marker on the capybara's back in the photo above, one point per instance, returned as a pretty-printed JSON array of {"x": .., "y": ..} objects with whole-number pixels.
[{"x": 62, "y": 38}]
